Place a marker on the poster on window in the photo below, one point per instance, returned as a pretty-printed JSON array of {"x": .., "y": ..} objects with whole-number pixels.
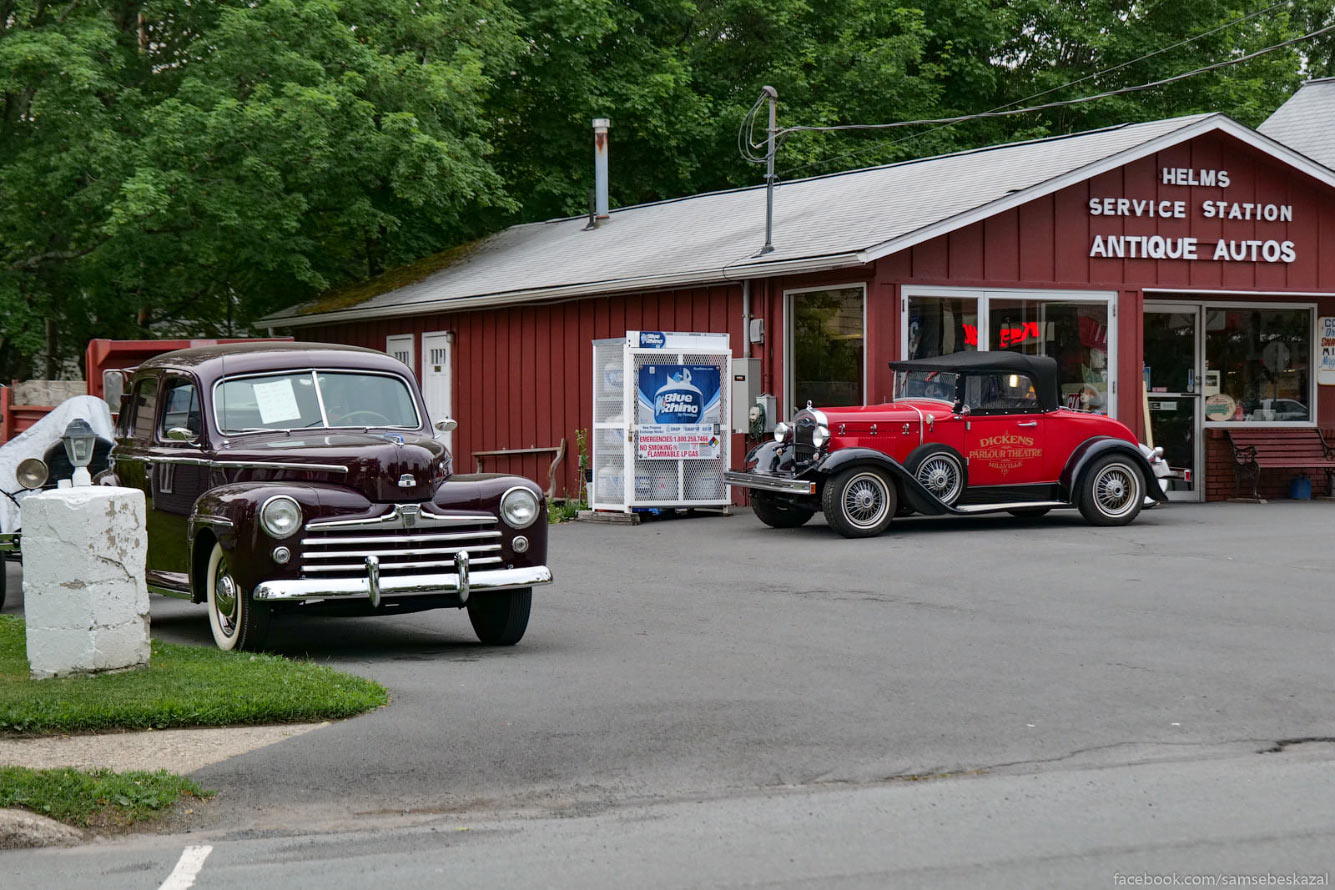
[
  {"x": 1325, "y": 372},
  {"x": 679, "y": 409}
]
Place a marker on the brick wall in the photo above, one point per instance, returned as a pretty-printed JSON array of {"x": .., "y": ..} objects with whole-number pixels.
[{"x": 1220, "y": 483}]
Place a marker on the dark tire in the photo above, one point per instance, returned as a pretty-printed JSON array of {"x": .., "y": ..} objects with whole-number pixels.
[
  {"x": 237, "y": 621},
  {"x": 1111, "y": 491},
  {"x": 500, "y": 617},
  {"x": 859, "y": 502},
  {"x": 941, "y": 471},
  {"x": 1029, "y": 512},
  {"x": 778, "y": 515}
]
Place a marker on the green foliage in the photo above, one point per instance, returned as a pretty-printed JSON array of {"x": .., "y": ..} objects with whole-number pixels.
[
  {"x": 178, "y": 167},
  {"x": 100, "y": 798},
  {"x": 183, "y": 686}
]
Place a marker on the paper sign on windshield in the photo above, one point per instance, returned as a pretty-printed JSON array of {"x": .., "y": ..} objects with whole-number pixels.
[{"x": 276, "y": 401}]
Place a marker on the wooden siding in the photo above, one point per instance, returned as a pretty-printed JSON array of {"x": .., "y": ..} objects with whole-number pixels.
[
  {"x": 523, "y": 374},
  {"x": 1046, "y": 244}
]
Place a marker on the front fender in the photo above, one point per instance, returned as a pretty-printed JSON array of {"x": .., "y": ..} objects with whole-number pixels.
[
  {"x": 1091, "y": 449},
  {"x": 919, "y": 498},
  {"x": 229, "y": 514}
]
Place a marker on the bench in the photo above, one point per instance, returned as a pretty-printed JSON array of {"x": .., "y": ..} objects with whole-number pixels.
[
  {"x": 558, "y": 450},
  {"x": 1255, "y": 450}
]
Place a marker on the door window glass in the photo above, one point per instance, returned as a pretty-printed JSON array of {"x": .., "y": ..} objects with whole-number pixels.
[
  {"x": 1073, "y": 333},
  {"x": 180, "y": 400},
  {"x": 1258, "y": 365},
  {"x": 942, "y": 325},
  {"x": 144, "y": 406},
  {"x": 1001, "y": 394},
  {"x": 827, "y": 347}
]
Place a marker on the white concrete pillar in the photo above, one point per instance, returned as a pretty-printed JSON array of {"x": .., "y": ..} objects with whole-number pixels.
[{"x": 84, "y": 596}]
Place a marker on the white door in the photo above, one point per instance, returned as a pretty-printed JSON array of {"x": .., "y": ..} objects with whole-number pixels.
[
  {"x": 401, "y": 347},
  {"x": 437, "y": 379}
]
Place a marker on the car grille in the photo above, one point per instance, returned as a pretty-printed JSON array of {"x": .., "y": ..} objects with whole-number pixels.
[{"x": 339, "y": 553}]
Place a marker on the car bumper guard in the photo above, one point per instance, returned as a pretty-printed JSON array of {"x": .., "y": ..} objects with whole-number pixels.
[
  {"x": 779, "y": 484},
  {"x": 374, "y": 586}
]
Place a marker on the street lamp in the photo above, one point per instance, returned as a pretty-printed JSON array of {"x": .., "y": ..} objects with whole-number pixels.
[{"x": 79, "y": 439}]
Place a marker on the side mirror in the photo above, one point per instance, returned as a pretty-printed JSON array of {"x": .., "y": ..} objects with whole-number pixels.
[
  {"x": 961, "y": 409},
  {"x": 447, "y": 425},
  {"x": 181, "y": 434}
]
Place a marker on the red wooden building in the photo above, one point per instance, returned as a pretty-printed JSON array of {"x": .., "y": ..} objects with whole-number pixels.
[{"x": 1178, "y": 270}]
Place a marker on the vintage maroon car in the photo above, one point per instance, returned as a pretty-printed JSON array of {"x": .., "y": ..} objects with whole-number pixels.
[
  {"x": 305, "y": 477},
  {"x": 970, "y": 432}
]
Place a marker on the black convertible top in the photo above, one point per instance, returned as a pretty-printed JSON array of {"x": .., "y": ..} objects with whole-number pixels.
[{"x": 1040, "y": 368}]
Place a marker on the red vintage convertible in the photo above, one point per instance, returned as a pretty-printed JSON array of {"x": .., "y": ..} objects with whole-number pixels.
[{"x": 970, "y": 432}]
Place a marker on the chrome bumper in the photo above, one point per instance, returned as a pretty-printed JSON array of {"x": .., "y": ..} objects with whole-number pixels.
[
  {"x": 375, "y": 586},
  {"x": 9, "y": 542},
  {"x": 769, "y": 483}
]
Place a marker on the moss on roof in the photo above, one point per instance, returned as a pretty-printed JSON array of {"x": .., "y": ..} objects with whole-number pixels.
[{"x": 359, "y": 292}]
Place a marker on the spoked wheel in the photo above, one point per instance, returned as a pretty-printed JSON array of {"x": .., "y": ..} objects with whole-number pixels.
[
  {"x": 941, "y": 471},
  {"x": 500, "y": 617},
  {"x": 1111, "y": 491},
  {"x": 237, "y": 621},
  {"x": 778, "y": 515},
  {"x": 859, "y": 503}
]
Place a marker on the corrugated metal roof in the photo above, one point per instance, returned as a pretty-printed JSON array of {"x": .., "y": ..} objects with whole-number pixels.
[
  {"x": 825, "y": 222},
  {"x": 1305, "y": 123}
]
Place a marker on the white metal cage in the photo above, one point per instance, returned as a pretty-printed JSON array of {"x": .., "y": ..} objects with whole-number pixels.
[{"x": 618, "y": 416}]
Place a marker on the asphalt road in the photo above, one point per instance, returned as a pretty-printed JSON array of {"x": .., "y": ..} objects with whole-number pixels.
[{"x": 775, "y": 700}]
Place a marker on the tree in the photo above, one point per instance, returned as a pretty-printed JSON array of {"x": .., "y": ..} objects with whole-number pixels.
[{"x": 194, "y": 166}]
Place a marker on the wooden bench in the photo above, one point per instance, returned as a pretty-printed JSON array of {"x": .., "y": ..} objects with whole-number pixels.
[{"x": 1255, "y": 450}]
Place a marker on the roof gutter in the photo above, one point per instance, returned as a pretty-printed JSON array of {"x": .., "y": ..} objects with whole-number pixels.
[{"x": 731, "y": 272}]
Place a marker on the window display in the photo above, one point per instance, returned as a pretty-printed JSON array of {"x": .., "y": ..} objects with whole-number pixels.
[
  {"x": 1074, "y": 333},
  {"x": 1261, "y": 360}
]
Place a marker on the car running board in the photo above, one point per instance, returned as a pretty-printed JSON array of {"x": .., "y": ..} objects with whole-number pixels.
[{"x": 1016, "y": 505}]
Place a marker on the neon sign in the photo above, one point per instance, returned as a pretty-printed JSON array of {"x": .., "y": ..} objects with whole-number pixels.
[{"x": 1011, "y": 336}]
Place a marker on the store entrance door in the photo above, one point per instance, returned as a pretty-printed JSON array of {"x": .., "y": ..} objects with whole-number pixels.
[{"x": 1173, "y": 380}]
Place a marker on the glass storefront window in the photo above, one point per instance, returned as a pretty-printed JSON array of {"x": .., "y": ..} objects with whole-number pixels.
[
  {"x": 827, "y": 347},
  {"x": 1074, "y": 333},
  {"x": 1257, "y": 365},
  {"x": 942, "y": 325}
]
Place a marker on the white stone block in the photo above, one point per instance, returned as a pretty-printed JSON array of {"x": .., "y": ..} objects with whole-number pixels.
[{"x": 84, "y": 595}]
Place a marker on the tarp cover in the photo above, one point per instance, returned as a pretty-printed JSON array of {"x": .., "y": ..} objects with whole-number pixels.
[{"x": 34, "y": 441}]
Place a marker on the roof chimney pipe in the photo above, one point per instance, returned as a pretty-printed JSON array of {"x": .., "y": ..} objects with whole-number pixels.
[{"x": 600, "y": 125}]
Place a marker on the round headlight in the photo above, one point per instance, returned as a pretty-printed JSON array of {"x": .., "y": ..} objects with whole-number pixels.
[
  {"x": 820, "y": 435},
  {"x": 781, "y": 431},
  {"x": 32, "y": 473},
  {"x": 519, "y": 507},
  {"x": 280, "y": 516}
]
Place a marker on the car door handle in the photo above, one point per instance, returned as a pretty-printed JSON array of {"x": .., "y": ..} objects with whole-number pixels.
[{"x": 1028, "y": 423}]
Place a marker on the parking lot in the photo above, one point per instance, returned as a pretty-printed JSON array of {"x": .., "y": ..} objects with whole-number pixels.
[
  {"x": 715, "y": 657},
  {"x": 715, "y": 654}
]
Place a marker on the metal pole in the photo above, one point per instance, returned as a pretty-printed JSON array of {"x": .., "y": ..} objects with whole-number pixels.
[{"x": 769, "y": 170}]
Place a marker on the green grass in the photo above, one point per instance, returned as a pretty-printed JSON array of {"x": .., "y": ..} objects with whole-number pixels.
[
  {"x": 182, "y": 686},
  {"x": 101, "y": 799}
]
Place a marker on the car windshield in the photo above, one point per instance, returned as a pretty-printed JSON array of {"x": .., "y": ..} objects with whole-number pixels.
[
  {"x": 313, "y": 400},
  {"x": 925, "y": 385}
]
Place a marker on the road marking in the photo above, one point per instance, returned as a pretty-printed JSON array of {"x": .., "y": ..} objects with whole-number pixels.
[{"x": 187, "y": 868}]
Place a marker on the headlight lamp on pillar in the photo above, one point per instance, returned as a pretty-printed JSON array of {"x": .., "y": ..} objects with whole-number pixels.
[{"x": 79, "y": 440}]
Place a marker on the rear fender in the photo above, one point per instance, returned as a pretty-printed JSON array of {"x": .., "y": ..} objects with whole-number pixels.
[{"x": 1091, "y": 449}]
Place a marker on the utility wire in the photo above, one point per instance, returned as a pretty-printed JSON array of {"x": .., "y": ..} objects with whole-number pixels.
[
  {"x": 1229, "y": 24},
  {"x": 1001, "y": 111},
  {"x": 1065, "y": 102}
]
